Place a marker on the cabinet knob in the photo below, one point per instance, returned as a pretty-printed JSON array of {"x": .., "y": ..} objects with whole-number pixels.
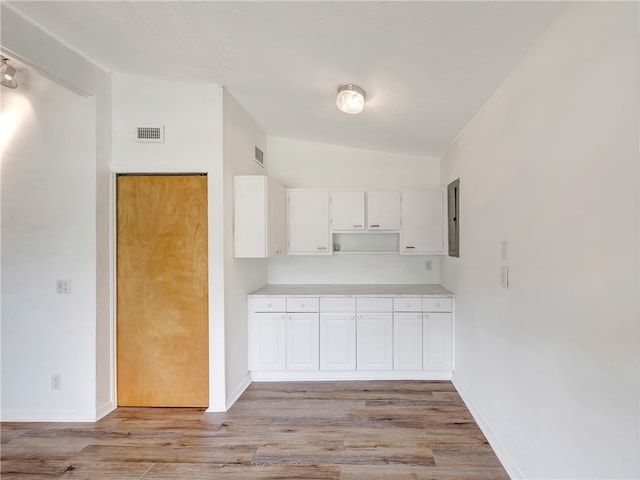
[
  {"x": 357, "y": 226},
  {"x": 408, "y": 304},
  {"x": 374, "y": 226},
  {"x": 359, "y": 317},
  {"x": 281, "y": 317},
  {"x": 409, "y": 247},
  {"x": 437, "y": 304},
  {"x": 268, "y": 305},
  {"x": 426, "y": 317},
  {"x": 353, "y": 317},
  {"x": 302, "y": 305},
  {"x": 321, "y": 248},
  {"x": 419, "y": 316}
]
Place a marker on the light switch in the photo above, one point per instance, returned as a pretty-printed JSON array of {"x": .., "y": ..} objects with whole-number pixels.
[{"x": 504, "y": 276}]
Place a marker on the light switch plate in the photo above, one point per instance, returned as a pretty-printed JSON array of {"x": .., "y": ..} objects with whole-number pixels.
[{"x": 504, "y": 276}]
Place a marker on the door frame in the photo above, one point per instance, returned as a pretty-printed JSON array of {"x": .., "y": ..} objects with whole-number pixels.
[{"x": 215, "y": 209}]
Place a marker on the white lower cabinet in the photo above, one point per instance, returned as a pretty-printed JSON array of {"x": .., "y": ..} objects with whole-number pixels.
[
  {"x": 413, "y": 335},
  {"x": 303, "y": 341},
  {"x": 437, "y": 341},
  {"x": 375, "y": 341},
  {"x": 267, "y": 341},
  {"x": 338, "y": 341},
  {"x": 407, "y": 341}
]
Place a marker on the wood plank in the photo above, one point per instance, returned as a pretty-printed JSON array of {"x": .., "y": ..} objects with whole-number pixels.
[
  {"x": 168, "y": 471},
  {"x": 162, "y": 305}
]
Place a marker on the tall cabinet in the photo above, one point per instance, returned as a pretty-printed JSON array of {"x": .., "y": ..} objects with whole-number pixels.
[{"x": 260, "y": 217}]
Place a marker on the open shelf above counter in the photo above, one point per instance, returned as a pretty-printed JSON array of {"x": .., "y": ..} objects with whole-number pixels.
[{"x": 366, "y": 242}]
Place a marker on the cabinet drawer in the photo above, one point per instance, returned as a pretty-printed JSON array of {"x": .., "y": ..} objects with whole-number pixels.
[
  {"x": 338, "y": 304},
  {"x": 374, "y": 304},
  {"x": 407, "y": 304},
  {"x": 267, "y": 304},
  {"x": 436, "y": 304},
  {"x": 303, "y": 304}
]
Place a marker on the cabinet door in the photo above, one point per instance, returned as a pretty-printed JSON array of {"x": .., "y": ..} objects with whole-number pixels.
[
  {"x": 347, "y": 210},
  {"x": 437, "y": 341},
  {"x": 303, "y": 340},
  {"x": 309, "y": 222},
  {"x": 249, "y": 207},
  {"x": 407, "y": 341},
  {"x": 422, "y": 222},
  {"x": 276, "y": 219},
  {"x": 267, "y": 341},
  {"x": 337, "y": 341},
  {"x": 375, "y": 341},
  {"x": 383, "y": 210}
]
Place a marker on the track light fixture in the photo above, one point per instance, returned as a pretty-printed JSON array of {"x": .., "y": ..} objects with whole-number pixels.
[{"x": 7, "y": 74}]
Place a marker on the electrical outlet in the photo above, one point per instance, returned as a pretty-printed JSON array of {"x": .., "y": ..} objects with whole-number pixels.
[
  {"x": 56, "y": 381},
  {"x": 428, "y": 265},
  {"x": 63, "y": 286}
]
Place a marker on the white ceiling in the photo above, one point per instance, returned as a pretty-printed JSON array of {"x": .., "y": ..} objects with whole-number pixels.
[{"x": 427, "y": 67}]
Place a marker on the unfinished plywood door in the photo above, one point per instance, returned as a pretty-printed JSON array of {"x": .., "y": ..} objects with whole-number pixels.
[{"x": 162, "y": 326}]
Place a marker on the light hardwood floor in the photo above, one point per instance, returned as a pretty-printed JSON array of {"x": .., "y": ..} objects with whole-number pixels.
[{"x": 370, "y": 430}]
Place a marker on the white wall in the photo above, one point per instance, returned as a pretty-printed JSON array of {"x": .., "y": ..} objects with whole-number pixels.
[
  {"x": 104, "y": 338},
  {"x": 550, "y": 367},
  {"x": 241, "y": 276},
  {"x": 301, "y": 164},
  {"x": 192, "y": 118},
  {"x": 55, "y": 145},
  {"x": 48, "y": 233}
]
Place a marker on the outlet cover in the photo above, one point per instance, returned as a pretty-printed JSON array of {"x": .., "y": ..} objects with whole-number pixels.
[{"x": 63, "y": 286}]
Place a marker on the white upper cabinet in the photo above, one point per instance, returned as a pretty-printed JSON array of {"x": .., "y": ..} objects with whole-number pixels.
[
  {"x": 383, "y": 210},
  {"x": 309, "y": 232},
  {"x": 260, "y": 217},
  {"x": 276, "y": 219},
  {"x": 422, "y": 222},
  {"x": 347, "y": 211}
]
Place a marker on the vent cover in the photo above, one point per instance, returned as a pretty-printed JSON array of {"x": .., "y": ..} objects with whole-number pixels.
[
  {"x": 150, "y": 134},
  {"x": 260, "y": 157}
]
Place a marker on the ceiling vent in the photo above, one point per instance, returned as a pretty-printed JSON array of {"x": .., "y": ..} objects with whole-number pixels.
[
  {"x": 259, "y": 157},
  {"x": 150, "y": 134}
]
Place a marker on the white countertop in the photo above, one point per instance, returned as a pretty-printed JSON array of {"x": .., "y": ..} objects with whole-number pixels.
[{"x": 367, "y": 290}]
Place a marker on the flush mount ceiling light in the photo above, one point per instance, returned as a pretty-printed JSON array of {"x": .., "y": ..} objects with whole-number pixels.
[
  {"x": 350, "y": 98},
  {"x": 7, "y": 75}
]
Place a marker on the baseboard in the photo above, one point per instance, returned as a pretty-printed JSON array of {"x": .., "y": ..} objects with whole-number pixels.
[
  {"x": 239, "y": 390},
  {"x": 497, "y": 445},
  {"x": 104, "y": 410},
  {"x": 18, "y": 415},
  {"x": 216, "y": 408},
  {"x": 231, "y": 398},
  {"x": 309, "y": 376}
]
